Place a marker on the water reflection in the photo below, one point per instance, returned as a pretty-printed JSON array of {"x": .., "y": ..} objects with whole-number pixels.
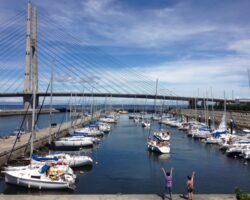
[{"x": 158, "y": 157}]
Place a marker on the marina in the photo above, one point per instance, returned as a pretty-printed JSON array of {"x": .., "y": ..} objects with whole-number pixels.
[
  {"x": 123, "y": 100},
  {"x": 124, "y": 153}
]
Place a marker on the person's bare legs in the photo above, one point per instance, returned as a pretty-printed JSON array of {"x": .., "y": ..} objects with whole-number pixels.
[{"x": 191, "y": 195}]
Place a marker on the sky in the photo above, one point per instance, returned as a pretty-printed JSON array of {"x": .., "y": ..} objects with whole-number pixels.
[{"x": 189, "y": 45}]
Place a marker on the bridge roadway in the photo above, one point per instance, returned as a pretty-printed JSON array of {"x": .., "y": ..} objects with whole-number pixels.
[{"x": 120, "y": 95}]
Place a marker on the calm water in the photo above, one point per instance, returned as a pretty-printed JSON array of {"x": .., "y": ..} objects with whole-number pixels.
[
  {"x": 124, "y": 165},
  {"x": 9, "y": 123}
]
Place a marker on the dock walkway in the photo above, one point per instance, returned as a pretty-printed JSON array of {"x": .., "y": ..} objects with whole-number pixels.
[{"x": 42, "y": 137}]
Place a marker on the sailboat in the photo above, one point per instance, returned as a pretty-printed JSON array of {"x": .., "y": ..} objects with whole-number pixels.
[
  {"x": 221, "y": 134},
  {"x": 47, "y": 176},
  {"x": 162, "y": 135},
  {"x": 158, "y": 146}
]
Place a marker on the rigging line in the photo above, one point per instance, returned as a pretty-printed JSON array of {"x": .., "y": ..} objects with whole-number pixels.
[
  {"x": 77, "y": 64},
  {"x": 9, "y": 48},
  {"x": 6, "y": 37},
  {"x": 11, "y": 78},
  {"x": 11, "y": 83},
  {"x": 72, "y": 71},
  {"x": 17, "y": 43},
  {"x": 42, "y": 74},
  {"x": 61, "y": 62},
  {"x": 68, "y": 69},
  {"x": 56, "y": 25},
  {"x": 10, "y": 21},
  {"x": 90, "y": 65},
  {"x": 85, "y": 56},
  {"x": 5, "y": 67},
  {"x": 38, "y": 115},
  {"x": 19, "y": 86},
  {"x": 18, "y": 134}
]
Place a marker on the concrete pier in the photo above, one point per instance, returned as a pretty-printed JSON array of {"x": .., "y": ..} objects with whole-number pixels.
[
  {"x": 241, "y": 119},
  {"x": 42, "y": 138},
  {"x": 115, "y": 197},
  {"x": 17, "y": 112}
]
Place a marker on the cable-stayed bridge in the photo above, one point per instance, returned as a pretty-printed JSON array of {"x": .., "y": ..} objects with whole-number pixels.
[{"x": 74, "y": 66}]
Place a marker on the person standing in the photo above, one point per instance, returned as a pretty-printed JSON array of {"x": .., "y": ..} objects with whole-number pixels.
[
  {"x": 168, "y": 182},
  {"x": 190, "y": 186}
]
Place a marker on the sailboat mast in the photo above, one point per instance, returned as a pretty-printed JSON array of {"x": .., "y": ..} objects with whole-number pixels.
[
  {"x": 225, "y": 107},
  {"x": 212, "y": 107},
  {"x": 248, "y": 79},
  {"x": 51, "y": 95},
  {"x": 156, "y": 91},
  {"x": 33, "y": 114}
]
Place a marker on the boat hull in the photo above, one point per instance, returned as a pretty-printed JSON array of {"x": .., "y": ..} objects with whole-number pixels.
[{"x": 33, "y": 183}]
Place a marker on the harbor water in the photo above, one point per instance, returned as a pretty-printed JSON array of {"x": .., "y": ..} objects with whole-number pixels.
[{"x": 123, "y": 164}]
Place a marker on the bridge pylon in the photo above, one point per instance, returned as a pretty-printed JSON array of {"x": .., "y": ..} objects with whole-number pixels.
[{"x": 31, "y": 58}]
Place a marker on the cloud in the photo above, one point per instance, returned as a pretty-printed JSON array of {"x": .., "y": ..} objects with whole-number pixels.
[
  {"x": 186, "y": 76},
  {"x": 240, "y": 46},
  {"x": 187, "y": 44}
]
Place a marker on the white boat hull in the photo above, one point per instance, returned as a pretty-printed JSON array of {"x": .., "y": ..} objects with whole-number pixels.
[
  {"x": 17, "y": 178},
  {"x": 159, "y": 149},
  {"x": 75, "y": 143}
]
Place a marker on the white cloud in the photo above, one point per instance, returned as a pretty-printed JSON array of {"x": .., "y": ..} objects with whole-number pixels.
[{"x": 241, "y": 46}]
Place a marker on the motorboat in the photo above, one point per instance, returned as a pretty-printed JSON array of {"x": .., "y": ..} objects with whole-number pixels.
[
  {"x": 145, "y": 124},
  {"x": 184, "y": 127},
  {"x": 160, "y": 147},
  {"x": 136, "y": 120},
  {"x": 237, "y": 151},
  {"x": 162, "y": 135}
]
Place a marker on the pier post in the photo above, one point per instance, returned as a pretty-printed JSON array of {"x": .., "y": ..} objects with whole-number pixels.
[
  {"x": 231, "y": 126},
  {"x": 209, "y": 122},
  {"x": 191, "y": 104},
  {"x": 199, "y": 118}
]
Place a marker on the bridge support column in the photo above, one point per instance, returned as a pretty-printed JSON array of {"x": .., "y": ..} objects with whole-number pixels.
[
  {"x": 191, "y": 104},
  {"x": 31, "y": 66}
]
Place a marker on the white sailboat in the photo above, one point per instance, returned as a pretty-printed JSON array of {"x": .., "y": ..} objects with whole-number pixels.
[
  {"x": 160, "y": 147},
  {"x": 46, "y": 176},
  {"x": 162, "y": 135},
  {"x": 74, "y": 142}
]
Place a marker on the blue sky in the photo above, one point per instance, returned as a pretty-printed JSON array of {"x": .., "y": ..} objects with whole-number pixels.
[{"x": 187, "y": 44}]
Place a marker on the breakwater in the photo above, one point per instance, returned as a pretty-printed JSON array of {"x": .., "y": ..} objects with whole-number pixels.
[{"x": 240, "y": 118}]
